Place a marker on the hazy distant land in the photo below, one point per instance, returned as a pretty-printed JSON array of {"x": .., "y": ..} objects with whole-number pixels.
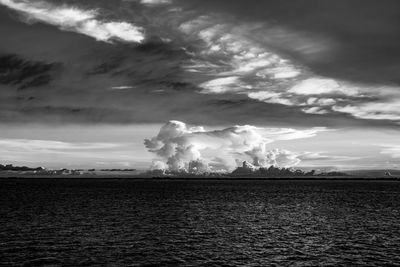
[{"x": 272, "y": 173}]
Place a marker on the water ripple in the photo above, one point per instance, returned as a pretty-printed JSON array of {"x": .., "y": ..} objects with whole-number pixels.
[{"x": 199, "y": 223}]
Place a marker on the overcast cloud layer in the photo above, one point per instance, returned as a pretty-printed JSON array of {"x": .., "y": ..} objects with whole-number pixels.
[
  {"x": 292, "y": 64},
  {"x": 180, "y": 54}
]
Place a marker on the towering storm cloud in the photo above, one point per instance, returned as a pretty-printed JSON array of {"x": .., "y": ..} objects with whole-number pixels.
[{"x": 179, "y": 147}]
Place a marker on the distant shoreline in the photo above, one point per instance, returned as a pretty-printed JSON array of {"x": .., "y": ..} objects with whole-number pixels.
[{"x": 138, "y": 178}]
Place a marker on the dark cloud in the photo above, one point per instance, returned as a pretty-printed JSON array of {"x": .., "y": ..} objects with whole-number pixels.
[
  {"x": 24, "y": 73},
  {"x": 363, "y": 34},
  {"x": 166, "y": 75}
]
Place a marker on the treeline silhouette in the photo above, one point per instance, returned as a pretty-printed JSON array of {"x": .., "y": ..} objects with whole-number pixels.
[
  {"x": 273, "y": 171},
  {"x": 246, "y": 170},
  {"x": 10, "y": 167}
]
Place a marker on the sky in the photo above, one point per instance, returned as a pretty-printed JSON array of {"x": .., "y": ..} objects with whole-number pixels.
[{"x": 203, "y": 84}]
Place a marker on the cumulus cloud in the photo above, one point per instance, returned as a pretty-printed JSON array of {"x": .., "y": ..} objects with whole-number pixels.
[
  {"x": 372, "y": 110},
  {"x": 242, "y": 59},
  {"x": 314, "y": 110},
  {"x": 179, "y": 147},
  {"x": 70, "y": 18},
  {"x": 318, "y": 86},
  {"x": 321, "y": 101},
  {"x": 239, "y": 53},
  {"x": 275, "y": 157},
  {"x": 238, "y": 61},
  {"x": 222, "y": 85},
  {"x": 155, "y": 2}
]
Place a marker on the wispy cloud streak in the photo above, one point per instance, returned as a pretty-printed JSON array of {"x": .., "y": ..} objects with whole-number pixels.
[{"x": 69, "y": 18}]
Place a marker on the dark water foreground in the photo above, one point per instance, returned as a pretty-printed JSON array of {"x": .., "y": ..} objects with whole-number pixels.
[{"x": 199, "y": 223}]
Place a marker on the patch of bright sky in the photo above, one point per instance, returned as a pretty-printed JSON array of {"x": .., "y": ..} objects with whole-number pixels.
[{"x": 119, "y": 146}]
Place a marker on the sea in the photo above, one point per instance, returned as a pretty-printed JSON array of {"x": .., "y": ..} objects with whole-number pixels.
[{"x": 127, "y": 222}]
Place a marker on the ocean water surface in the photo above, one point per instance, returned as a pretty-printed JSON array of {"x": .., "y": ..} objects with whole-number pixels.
[{"x": 97, "y": 222}]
